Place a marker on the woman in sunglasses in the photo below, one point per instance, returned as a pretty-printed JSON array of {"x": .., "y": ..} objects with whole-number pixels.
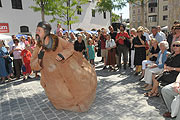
[
  {"x": 176, "y": 37},
  {"x": 171, "y": 70}
]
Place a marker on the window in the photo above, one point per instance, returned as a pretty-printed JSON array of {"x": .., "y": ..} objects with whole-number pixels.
[
  {"x": 79, "y": 10},
  {"x": 152, "y": 18},
  {"x": 24, "y": 29},
  {"x": 152, "y": 10},
  {"x": 0, "y": 4},
  {"x": 134, "y": 11},
  {"x": 139, "y": 11},
  {"x": 104, "y": 14},
  {"x": 165, "y": 17},
  {"x": 165, "y": 8},
  {"x": 139, "y": 18},
  {"x": 16, "y": 4},
  {"x": 134, "y": 18},
  {"x": 93, "y": 13}
]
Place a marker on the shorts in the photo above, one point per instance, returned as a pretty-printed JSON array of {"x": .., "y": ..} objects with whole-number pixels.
[{"x": 104, "y": 53}]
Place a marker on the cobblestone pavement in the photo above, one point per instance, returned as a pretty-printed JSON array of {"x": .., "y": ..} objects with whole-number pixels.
[{"x": 119, "y": 97}]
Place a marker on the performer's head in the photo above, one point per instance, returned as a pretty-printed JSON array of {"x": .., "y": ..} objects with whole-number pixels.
[{"x": 42, "y": 31}]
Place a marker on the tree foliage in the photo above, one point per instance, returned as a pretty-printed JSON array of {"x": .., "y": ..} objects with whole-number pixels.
[
  {"x": 115, "y": 17},
  {"x": 62, "y": 11}
]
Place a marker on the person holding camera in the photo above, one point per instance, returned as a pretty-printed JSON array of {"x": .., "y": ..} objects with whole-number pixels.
[{"x": 122, "y": 48}]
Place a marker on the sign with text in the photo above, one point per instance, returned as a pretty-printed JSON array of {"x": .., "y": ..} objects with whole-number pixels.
[{"x": 4, "y": 28}]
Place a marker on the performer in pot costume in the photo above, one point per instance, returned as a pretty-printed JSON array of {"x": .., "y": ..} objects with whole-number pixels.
[{"x": 67, "y": 78}]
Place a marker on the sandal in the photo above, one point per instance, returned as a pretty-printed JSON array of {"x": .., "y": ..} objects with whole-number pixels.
[
  {"x": 147, "y": 94},
  {"x": 155, "y": 94}
]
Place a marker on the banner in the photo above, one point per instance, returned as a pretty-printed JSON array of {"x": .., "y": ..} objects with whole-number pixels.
[{"x": 4, "y": 28}]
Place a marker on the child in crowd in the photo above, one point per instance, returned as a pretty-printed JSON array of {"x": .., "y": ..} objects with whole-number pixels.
[
  {"x": 91, "y": 52},
  {"x": 26, "y": 56}
]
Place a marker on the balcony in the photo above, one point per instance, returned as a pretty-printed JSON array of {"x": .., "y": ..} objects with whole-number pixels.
[{"x": 152, "y": 4}]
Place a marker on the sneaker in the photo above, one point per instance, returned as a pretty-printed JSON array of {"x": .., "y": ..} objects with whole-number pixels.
[{"x": 104, "y": 67}]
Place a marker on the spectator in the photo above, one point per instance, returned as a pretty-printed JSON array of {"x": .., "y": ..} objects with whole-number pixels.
[
  {"x": 16, "y": 50},
  {"x": 33, "y": 44},
  {"x": 170, "y": 37},
  {"x": 171, "y": 69},
  {"x": 104, "y": 51},
  {"x": 72, "y": 38},
  {"x": 154, "y": 50},
  {"x": 22, "y": 41},
  {"x": 67, "y": 36},
  {"x": 133, "y": 33},
  {"x": 91, "y": 52},
  {"x": 140, "y": 50},
  {"x": 168, "y": 93},
  {"x": 3, "y": 68},
  {"x": 110, "y": 46},
  {"x": 155, "y": 68},
  {"x": 59, "y": 28},
  {"x": 176, "y": 37},
  {"x": 122, "y": 48},
  {"x": 26, "y": 56},
  {"x": 29, "y": 39},
  {"x": 146, "y": 34},
  {"x": 113, "y": 36},
  {"x": 79, "y": 44},
  {"x": 60, "y": 34},
  {"x": 155, "y": 34},
  {"x": 99, "y": 44},
  {"x": 161, "y": 33},
  {"x": 11, "y": 43}
]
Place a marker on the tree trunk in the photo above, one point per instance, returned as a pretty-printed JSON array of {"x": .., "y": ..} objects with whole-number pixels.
[
  {"x": 42, "y": 11},
  {"x": 110, "y": 17}
]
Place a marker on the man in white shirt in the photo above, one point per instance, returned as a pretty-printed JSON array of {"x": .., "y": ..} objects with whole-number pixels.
[{"x": 161, "y": 33}]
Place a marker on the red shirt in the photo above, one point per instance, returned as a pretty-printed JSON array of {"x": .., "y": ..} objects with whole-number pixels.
[
  {"x": 26, "y": 56},
  {"x": 121, "y": 41}
]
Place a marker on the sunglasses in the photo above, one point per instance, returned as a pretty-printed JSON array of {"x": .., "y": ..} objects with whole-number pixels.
[
  {"x": 176, "y": 45},
  {"x": 177, "y": 28}
]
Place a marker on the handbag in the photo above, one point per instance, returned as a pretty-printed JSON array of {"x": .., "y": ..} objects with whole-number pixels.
[
  {"x": 167, "y": 77},
  {"x": 127, "y": 43},
  {"x": 146, "y": 45},
  {"x": 175, "y": 106}
]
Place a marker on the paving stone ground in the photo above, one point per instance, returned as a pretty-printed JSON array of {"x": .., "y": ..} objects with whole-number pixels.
[{"x": 118, "y": 97}]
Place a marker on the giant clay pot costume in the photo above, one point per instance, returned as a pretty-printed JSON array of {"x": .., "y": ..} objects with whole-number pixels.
[{"x": 69, "y": 84}]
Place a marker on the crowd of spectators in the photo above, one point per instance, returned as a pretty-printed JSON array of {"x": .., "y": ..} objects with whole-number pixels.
[{"x": 154, "y": 57}]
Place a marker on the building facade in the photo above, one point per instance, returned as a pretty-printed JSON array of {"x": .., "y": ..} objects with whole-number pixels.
[
  {"x": 174, "y": 12},
  {"x": 16, "y": 16},
  {"x": 156, "y": 13}
]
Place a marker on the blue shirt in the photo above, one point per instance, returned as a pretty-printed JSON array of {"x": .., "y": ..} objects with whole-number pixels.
[{"x": 158, "y": 37}]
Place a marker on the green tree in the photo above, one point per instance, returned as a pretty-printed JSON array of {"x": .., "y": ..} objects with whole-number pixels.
[
  {"x": 62, "y": 11},
  {"x": 109, "y": 5},
  {"x": 115, "y": 17}
]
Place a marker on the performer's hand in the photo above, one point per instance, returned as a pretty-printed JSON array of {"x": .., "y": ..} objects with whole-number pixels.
[{"x": 58, "y": 58}]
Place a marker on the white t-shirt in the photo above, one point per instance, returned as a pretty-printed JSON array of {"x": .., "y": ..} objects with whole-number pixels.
[
  {"x": 160, "y": 59},
  {"x": 163, "y": 35},
  {"x": 17, "y": 54},
  {"x": 110, "y": 43}
]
